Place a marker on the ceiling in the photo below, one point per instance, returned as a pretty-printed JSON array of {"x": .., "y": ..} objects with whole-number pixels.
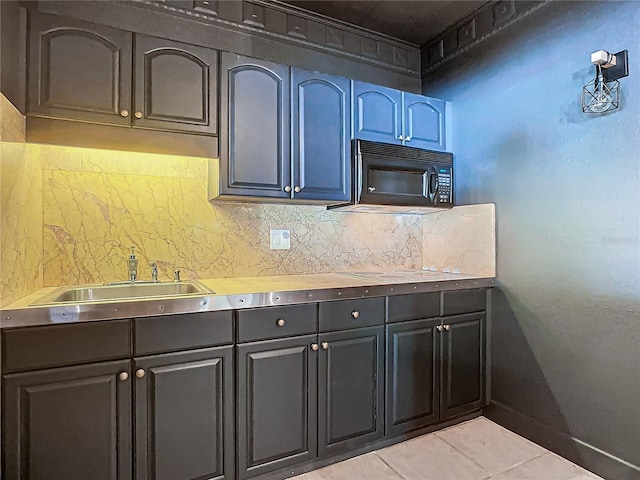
[{"x": 417, "y": 21}]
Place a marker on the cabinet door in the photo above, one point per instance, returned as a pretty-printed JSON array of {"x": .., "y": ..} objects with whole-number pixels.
[
  {"x": 413, "y": 376},
  {"x": 72, "y": 423},
  {"x": 377, "y": 113},
  {"x": 276, "y": 404},
  {"x": 185, "y": 415},
  {"x": 176, "y": 86},
  {"x": 255, "y": 154},
  {"x": 463, "y": 365},
  {"x": 78, "y": 70},
  {"x": 424, "y": 122},
  {"x": 321, "y": 113},
  {"x": 350, "y": 389}
]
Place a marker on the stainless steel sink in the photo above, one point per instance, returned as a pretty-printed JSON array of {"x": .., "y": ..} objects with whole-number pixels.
[{"x": 125, "y": 291}]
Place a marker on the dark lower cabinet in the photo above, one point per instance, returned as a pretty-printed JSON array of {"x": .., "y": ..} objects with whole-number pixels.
[
  {"x": 413, "y": 375},
  {"x": 435, "y": 371},
  {"x": 350, "y": 389},
  {"x": 276, "y": 404},
  {"x": 463, "y": 365},
  {"x": 175, "y": 412},
  {"x": 184, "y": 416},
  {"x": 71, "y": 423}
]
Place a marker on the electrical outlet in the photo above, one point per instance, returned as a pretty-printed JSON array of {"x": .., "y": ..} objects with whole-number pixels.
[{"x": 280, "y": 240}]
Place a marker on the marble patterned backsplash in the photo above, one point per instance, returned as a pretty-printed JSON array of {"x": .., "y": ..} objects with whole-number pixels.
[
  {"x": 97, "y": 204},
  {"x": 20, "y": 222},
  {"x": 70, "y": 216},
  {"x": 461, "y": 239}
]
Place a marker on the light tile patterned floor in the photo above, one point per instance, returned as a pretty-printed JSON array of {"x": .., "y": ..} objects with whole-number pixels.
[{"x": 474, "y": 450}]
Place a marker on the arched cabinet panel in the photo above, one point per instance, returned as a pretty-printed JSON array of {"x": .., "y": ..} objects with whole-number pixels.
[
  {"x": 175, "y": 86},
  {"x": 385, "y": 115},
  {"x": 377, "y": 113},
  {"x": 321, "y": 110},
  {"x": 78, "y": 71},
  {"x": 85, "y": 72},
  {"x": 254, "y": 134},
  {"x": 424, "y": 122}
]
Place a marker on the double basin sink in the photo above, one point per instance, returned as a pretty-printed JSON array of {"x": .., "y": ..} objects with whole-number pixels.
[{"x": 123, "y": 291}]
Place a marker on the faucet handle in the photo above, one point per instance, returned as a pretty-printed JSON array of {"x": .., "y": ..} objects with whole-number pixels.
[
  {"x": 133, "y": 251},
  {"x": 176, "y": 276},
  {"x": 154, "y": 271}
]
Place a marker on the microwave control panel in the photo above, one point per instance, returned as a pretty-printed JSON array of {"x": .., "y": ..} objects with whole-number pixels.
[{"x": 445, "y": 189}]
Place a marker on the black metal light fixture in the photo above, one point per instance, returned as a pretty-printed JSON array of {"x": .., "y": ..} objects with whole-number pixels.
[{"x": 602, "y": 94}]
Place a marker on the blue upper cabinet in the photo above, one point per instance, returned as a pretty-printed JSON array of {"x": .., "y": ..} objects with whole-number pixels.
[
  {"x": 254, "y": 132},
  {"x": 382, "y": 114},
  {"x": 424, "y": 125},
  {"x": 377, "y": 113},
  {"x": 321, "y": 113}
]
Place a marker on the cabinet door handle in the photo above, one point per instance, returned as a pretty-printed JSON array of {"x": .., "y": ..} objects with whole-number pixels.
[
  {"x": 447, "y": 327},
  {"x": 314, "y": 347},
  {"x": 280, "y": 322},
  {"x": 439, "y": 328},
  {"x": 355, "y": 314},
  {"x": 287, "y": 189},
  {"x": 400, "y": 137},
  {"x": 325, "y": 346},
  {"x": 297, "y": 189},
  {"x": 140, "y": 373},
  {"x": 138, "y": 114},
  {"x": 123, "y": 376},
  {"x": 407, "y": 139},
  {"x": 124, "y": 113}
]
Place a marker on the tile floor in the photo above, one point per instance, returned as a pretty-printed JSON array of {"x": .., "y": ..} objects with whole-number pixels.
[{"x": 474, "y": 450}]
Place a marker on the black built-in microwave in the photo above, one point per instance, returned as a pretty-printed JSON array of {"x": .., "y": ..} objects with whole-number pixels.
[{"x": 398, "y": 179}]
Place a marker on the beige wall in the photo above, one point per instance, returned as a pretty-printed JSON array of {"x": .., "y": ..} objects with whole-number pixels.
[{"x": 21, "y": 248}]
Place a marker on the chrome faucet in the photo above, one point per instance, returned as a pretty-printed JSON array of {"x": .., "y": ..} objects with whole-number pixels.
[
  {"x": 133, "y": 265},
  {"x": 154, "y": 272},
  {"x": 176, "y": 276}
]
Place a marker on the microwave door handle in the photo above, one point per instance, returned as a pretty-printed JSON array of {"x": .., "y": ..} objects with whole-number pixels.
[{"x": 433, "y": 187}]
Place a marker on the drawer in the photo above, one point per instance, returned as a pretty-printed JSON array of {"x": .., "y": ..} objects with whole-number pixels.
[
  {"x": 276, "y": 322},
  {"x": 342, "y": 314},
  {"x": 464, "y": 301},
  {"x": 182, "y": 332},
  {"x": 52, "y": 346},
  {"x": 413, "y": 307}
]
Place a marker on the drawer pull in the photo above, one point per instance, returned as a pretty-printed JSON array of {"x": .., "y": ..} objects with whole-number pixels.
[
  {"x": 281, "y": 322},
  {"x": 314, "y": 347},
  {"x": 123, "y": 376},
  {"x": 355, "y": 314},
  {"x": 140, "y": 373}
]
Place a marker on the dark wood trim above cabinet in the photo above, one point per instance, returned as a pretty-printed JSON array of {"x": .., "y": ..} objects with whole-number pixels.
[
  {"x": 335, "y": 50},
  {"x": 90, "y": 135},
  {"x": 291, "y": 24}
]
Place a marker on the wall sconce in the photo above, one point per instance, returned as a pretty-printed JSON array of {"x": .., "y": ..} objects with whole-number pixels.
[{"x": 602, "y": 94}]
